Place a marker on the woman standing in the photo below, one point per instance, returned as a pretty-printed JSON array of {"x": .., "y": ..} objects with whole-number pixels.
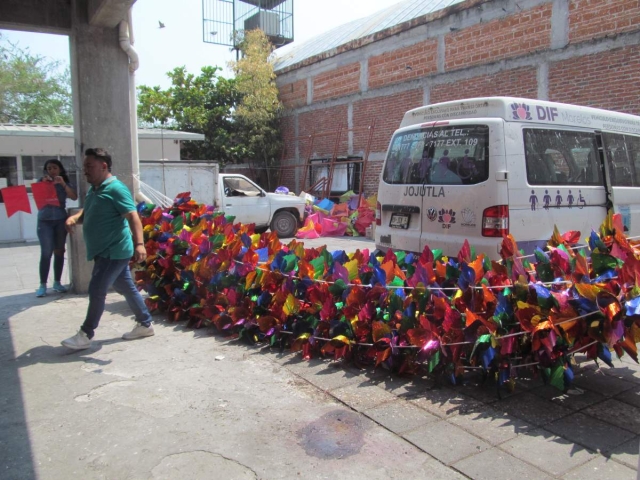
[{"x": 51, "y": 231}]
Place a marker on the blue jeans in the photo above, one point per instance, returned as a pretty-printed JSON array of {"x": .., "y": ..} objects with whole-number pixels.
[
  {"x": 52, "y": 236},
  {"x": 108, "y": 272}
]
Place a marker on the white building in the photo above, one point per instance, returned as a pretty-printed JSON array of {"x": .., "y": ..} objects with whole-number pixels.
[{"x": 25, "y": 148}]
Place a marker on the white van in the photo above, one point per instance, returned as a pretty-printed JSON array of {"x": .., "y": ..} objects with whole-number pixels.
[{"x": 481, "y": 168}]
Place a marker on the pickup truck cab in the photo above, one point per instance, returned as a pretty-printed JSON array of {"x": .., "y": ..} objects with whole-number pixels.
[
  {"x": 238, "y": 196},
  {"x": 231, "y": 193}
]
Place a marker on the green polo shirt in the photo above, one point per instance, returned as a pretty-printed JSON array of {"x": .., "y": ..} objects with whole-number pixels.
[{"x": 106, "y": 231}]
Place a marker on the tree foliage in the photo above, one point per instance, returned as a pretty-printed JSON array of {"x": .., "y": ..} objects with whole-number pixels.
[
  {"x": 197, "y": 104},
  {"x": 33, "y": 88},
  {"x": 239, "y": 116},
  {"x": 257, "y": 113}
]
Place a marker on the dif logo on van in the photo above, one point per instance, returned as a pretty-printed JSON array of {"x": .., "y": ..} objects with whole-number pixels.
[
  {"x": 446, "y": 217},
  {"x": 522, "y": 111}
]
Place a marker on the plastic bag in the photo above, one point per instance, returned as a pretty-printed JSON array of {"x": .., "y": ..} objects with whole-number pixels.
[
  {"x": 310, "y": 199},
  {"x": 372, "y": 201},
  {"x": 325, "y": 205},
  {"x": 365, "y": 218},
  {"x": 340, "y": 210},
  {"x": 353, "y": 203},
  {"x": 333, "y": 228},
  {"x": 345, "y": 197},
  {"x": 309, "y": 230}
]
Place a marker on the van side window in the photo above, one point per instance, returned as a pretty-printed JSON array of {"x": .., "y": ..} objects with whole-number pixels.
[
  {"x": 622, "y": 153},
  {"x": 633, "y": 148},
  {"x": 561, "y": 157},
  {"x": 441, "y": 155}
]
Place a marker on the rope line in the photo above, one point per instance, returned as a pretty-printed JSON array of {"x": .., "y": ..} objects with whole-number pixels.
[
  {"x": 156, "y": 196},
  {"x": 501, "y": 337}
]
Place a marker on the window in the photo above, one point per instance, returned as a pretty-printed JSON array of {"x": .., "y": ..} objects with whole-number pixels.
[
  {"x": 8, "y": 173},
  {"x": 451, "y": 155},
  {"x": 561, "y": 157},
  {"x": 346, "y": 174},
  {"x": 622, "y": 153},
  {"x": 33, "y": 168},
  {"x": 633, "y": 150},
  {"x": 73, "y": 170},
  {"x": 239, "y": 187}
]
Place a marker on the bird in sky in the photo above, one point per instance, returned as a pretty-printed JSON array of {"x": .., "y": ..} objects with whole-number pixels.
[{"x": 161, "y": 24}]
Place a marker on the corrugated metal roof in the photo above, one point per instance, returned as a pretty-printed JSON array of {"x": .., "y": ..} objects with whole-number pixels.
[
  {"x": 7, "y": 129},
  {"x": 36, "y": 130},
  {"x": 389, "y": 17}
]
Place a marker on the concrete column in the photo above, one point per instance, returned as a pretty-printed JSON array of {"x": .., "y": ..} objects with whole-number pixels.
[
  {"x": 350, "y": 127},
  {"x": 101, "y": 113},
  {"x": 297, "y": 161},
  {"x": 560, "y": 24},
  {"x": 543, "y": 81},
  {"x": 364, "y": 75},
  {"x": 309, "y": 90},
  {"x": 441, "y": 53}
]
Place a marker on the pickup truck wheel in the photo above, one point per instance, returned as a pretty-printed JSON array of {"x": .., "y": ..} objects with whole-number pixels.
[{"x": 284, "y": 224}]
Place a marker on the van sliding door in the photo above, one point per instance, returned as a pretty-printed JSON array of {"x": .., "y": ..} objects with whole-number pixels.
[
  {"x": 564, "y": 186},
  {"x": 621, "y": 156}
]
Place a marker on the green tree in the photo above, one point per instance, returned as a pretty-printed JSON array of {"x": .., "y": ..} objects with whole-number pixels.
[
  {"x": 197, "y": 104},
  {"x": 33, "y": 88},
  {"x": 257, "y": 113}
]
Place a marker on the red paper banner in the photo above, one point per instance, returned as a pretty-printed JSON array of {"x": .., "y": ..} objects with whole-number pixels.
[
  {"x": 44, "y": 193},
  {"x": 15, "y": 199}
]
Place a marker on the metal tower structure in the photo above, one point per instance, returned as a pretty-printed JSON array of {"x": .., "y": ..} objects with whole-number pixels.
[{"x": 224, "y": 20}]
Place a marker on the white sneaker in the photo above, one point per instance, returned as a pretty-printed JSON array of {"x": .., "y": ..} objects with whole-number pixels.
[
  {"x": 139, "y": 331},
  {"x": 79, "y": 341}
]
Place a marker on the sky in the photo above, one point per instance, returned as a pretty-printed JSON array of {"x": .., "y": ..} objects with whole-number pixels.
[{"x": 180, "y": 43}]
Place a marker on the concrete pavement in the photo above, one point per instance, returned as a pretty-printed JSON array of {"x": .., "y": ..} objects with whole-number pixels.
[{"x": 191, "y": 404}]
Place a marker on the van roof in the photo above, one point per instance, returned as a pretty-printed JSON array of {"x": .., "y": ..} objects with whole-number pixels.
[{"x": 525, "y": 110}]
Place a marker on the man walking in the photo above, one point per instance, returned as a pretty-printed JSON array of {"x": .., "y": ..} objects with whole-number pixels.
[{"x": 113, "y": 234}]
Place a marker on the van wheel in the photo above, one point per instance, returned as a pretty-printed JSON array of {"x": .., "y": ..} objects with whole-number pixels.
[{"x": 284, "y": 224}]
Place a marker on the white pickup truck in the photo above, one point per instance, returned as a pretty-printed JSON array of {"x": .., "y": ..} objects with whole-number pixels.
[
  {"x": 240, "y": 197},
  {"x": 232, "y": 193}
]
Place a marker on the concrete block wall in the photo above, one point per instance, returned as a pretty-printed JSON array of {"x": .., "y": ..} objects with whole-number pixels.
[{"x": 585, "y": 52}]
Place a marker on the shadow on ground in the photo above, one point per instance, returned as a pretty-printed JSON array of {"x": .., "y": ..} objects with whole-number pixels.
[{"x": 15, "y": 446}]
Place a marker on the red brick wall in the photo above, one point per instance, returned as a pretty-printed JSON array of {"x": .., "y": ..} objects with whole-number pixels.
[
  {"x": 387, "y": 113},
  {"x": 287, "y": 127},
  {"x": 515, "y": 35},
  {"x": 519, "y": 82},
  {"x": 293, "y": 95},
  {"x": 337, "y": 83},
  {"x": 361, "y": 133},
  {"x": 590, "y": 19},
  {"x": 608, "y": 80},
  {"x": 372, "y": 177},
  {"x": 287, "y": 175},
  {"x": 391, "y": 67},
  {"x": 324, "y": 123}
]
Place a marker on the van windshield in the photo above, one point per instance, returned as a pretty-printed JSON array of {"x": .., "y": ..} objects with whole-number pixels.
[{"x": 446, "y": 155}]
